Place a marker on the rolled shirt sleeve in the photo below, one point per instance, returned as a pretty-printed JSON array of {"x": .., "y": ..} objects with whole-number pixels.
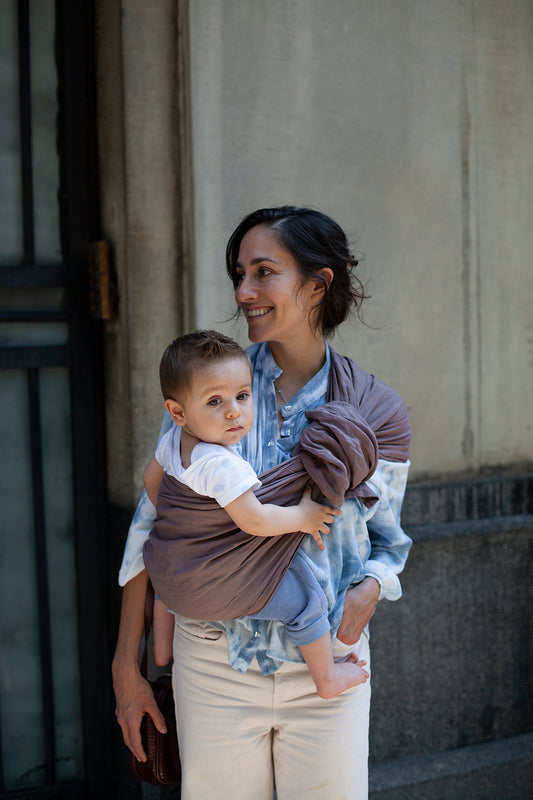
[
  {"x": 141, "y": 525},
  {"x": 389, "y": 543}
]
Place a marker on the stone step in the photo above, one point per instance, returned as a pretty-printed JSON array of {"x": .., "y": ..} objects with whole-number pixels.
[{"x": 500, "y": 770}]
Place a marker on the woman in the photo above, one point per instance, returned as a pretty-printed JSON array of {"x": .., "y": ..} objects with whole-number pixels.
[{"x": 249, "y": 719}]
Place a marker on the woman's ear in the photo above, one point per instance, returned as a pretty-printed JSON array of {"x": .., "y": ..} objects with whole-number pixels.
[
  {"x": 176, "y": 412},
  {"x": 321, "y": 286}
]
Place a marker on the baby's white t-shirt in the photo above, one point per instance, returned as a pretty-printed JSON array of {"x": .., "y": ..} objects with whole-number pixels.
[{"x": 216, "y": 471}]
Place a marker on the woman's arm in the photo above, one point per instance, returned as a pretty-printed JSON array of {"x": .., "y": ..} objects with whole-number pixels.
[
  {"x": 152, "y": 477},
  {"x": 359, "y": 605},
  {"x": 389, "y": 550},
  {"x": 267, "y": 519},
  {"x": 389, "y": 543},
  {"x": 133, "y": 694}
]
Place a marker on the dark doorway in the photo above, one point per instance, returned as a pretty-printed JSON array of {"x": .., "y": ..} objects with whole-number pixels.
[{"x": 54, "y": 695}]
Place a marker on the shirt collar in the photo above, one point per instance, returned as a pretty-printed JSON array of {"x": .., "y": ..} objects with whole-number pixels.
[{"x": 309, "y": 394}]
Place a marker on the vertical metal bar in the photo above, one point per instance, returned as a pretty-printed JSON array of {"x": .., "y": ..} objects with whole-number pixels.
[
  {"x": 79, "y": 224},
  {"x": 42, "y": 577},
  {"x": 26, "y": 130},
  {"x": 2, "y": 788}
]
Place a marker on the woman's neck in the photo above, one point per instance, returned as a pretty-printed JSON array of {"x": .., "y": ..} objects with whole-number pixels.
[{"x": 299, "y": 361}]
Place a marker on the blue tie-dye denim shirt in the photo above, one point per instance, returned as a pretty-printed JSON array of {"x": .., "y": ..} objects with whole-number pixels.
[{"x": 362, "y": 541}]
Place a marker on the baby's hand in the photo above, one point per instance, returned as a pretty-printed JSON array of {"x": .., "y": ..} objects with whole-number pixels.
[{"x": 316, "y": 517}]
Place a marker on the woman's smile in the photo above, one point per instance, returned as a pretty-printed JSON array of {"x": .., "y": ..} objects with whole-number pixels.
[{"x": 256, "y": 312}]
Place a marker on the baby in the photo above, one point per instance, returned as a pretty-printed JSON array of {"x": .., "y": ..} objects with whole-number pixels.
[{"x": 207, "y": 383}]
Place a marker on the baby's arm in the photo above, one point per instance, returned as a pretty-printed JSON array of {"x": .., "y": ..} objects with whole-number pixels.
[
  {"x": 257, "y": 519},
  {"x": 152, "y": 477}
]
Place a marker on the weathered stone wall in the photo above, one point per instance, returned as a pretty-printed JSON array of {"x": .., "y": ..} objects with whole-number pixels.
[
  {"x": 142, "y": 98},
  {"x": 410, "y": 123},
  {"x": 453, "y": 659}
]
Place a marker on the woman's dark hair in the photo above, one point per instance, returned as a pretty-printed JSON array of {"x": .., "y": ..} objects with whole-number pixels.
[{"x": 315, "y": 241}]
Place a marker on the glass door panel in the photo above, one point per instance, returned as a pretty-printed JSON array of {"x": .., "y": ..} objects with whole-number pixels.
[
  {"x": 11, "y": 238},
  {"x": 21, "y": 688},
  {"x": 44, "y": 134},
  {"x": 61, "y": 568}
]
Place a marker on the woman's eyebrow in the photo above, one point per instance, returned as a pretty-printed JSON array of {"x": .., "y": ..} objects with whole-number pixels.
[{"x": 257, "y": 260}]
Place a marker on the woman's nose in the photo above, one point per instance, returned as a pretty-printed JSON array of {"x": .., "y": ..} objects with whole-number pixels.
[{"x": 245, "y": 290}]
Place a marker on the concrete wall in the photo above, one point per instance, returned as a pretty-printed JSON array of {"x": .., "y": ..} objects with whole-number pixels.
[
  {"x": 453, "y": 671},
  {"x": 142, "y": 98},
  {"x": 410, "y": 123}
]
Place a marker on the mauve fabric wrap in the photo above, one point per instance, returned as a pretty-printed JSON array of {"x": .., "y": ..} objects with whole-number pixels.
[{"x": 205, "y": 568}]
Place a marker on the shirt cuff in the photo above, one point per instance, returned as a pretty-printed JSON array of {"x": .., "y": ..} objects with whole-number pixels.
[
  {"x": 130, "y": 571},
  {"x": 132, "y": 561},
  {"x": 390, "y": 586}
]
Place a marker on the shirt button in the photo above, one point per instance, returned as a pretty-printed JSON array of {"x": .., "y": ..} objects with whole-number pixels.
[
  {"x": 257, "y": 634},
  {"x": 286, "y": 432},
  {"x": 288, "y": 409},
  {"x": 270, "y": 443}
]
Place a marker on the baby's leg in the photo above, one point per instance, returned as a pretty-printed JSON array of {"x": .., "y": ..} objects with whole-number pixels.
[
  {"x": 163, "y": 632},
  {"x": 331, "y": 678},
  {"x": 300, "y": 603}
]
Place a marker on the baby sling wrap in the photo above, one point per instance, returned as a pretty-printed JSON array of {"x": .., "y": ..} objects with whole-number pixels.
[{"x": 203, "y": 567}]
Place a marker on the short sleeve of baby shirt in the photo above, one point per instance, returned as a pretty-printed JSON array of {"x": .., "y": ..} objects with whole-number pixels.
[
  {"x": 167, "y": 452},
  {"x": 218, "y": 472}
]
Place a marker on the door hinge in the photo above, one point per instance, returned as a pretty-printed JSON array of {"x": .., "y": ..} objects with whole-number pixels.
[{"x": 102, "y": 287}]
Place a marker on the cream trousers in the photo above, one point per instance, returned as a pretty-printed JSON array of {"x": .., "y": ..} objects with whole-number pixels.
[{"x": 242, "y": 735}]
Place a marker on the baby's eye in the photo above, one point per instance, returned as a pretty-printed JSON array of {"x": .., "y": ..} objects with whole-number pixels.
[
  {"x": 243, "y": 396},
  {"x": 215, "y": 401}
]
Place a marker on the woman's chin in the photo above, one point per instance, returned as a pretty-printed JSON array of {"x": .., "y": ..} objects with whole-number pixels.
[{"x": 256, "y": 336}]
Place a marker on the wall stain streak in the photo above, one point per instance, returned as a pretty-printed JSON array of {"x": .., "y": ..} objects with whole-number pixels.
[{"x": 469, "y": 310}]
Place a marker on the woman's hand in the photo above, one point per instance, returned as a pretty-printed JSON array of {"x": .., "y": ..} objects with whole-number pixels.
[
  {"x": 134, "y": 698},
  {"x": 359, "y": 605},
  {"x": 133, "y": 694}
]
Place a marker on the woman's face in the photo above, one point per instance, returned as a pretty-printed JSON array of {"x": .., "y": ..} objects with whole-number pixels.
[{"x": 277, "y": 304}]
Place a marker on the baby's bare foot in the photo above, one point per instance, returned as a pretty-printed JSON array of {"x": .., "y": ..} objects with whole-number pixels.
[{"x": 343, "y": 675}]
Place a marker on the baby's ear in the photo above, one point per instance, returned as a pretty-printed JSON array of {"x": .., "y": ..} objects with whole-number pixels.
[{"x": 176, "y": 412}]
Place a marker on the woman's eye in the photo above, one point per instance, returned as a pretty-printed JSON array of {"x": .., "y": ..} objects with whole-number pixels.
[{"x": 262, "y": 272}]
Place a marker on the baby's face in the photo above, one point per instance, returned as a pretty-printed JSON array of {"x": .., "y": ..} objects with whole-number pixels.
[{"x": 218, "y": 407}]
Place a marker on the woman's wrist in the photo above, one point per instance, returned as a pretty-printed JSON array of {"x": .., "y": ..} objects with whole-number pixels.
[
  {"x": 124, "y": 665},
  {"x": 372, "y": 585}
]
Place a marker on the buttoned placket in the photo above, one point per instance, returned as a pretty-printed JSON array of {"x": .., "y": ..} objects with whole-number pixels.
[{"x": 287, "y": 413}]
